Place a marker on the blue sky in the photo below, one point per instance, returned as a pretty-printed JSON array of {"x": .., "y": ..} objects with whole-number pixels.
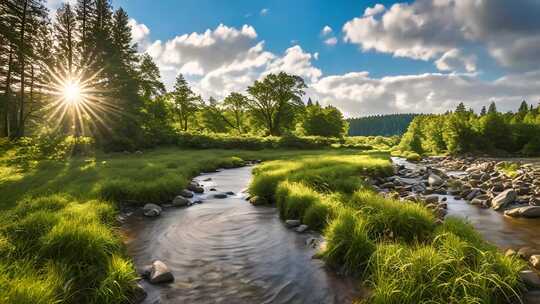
[{"x": 385, "y": 56}]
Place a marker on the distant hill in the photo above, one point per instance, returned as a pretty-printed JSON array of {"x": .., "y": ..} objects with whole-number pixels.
[{"x": 384, "y": 125}]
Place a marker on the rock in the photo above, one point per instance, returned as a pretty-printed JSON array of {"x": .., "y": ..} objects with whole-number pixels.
[
  {"x": 229, "y": 193},
  {"x": 527, "y": 212},
  {"x": 192, "y": 186},
  {"x": 220, "y": 195},
  {"x": 257, "y": 201},
  {"x": 534, "y": 260},
  {"x": 151, "y": 210},
  {"x": 473, "y": 193},
  {"x": 213, "y": 189},
  {"x": 526, "y": 252},
  {"x": 387, "y": 185},
  {"x": 160, "y": 273},
  {"x": 180, "y": 201},
  {"x": 503, "y": 199},
  {"x": 510, "y": 252},
  {"x": 435, "y": 180},
  {"x": 186, "y": 193},
  {"x": 432, "y": 199},
  {"x": 138, "y": 294},
  {"x": 530, "y": 278},
  {"x": 302, "y": 228},
  {"x": 292, "y": 223}
]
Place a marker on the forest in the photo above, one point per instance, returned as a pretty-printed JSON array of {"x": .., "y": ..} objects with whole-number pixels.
[
  {"x": 383, "y": 125},
  {"x": 464, "y": 131},
  {"x": 81, "y": 76}
]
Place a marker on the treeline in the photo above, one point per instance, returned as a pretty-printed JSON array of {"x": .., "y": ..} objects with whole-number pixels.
[
  {"x": 80, "y": 75},
  {"x": 383, "y": 125},
  {"x": 464, "y": 131}
]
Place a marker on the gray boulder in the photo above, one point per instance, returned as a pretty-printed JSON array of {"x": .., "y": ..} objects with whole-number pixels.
[
  {"x": 160, "y": 273},
  {"x": 504, "y": 199},
  {"x": 151, "y": 210},
  {"x": 292, "y": 223},
  {"x": 302, "y": 228},
  {"x": 530, "y": 278},
  {"x": 186, "y": 193},
  {"x": 527, "y": 212},
  {"x": 435, "y": 180},
  {"x": 180, "y": 201},
  {"x": 431, "y": 199},
  {"x": 220, "y": 195}
]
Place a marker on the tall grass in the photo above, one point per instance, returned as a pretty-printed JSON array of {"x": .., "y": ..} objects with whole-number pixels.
[{"x": 395, "y": 246}]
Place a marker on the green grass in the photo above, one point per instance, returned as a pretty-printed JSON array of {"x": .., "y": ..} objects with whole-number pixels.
[
  {"x": 58, "y": 239},
  {"x": 395, "y": 247},
  {"x": 508, "y": 168}
]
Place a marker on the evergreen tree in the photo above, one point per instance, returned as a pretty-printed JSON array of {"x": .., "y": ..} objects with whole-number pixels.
[
  {"x": 65, "y": 36},
  {"x": 492, "y": 108},
  {"x": 483, "y": 111},
  {"x": 185, "y": 102},
  {"x": 309, "y": 102},
  {"x": 149, "y": 78},
  {"x": 85, "y": 15},
  {"x": 460, "y": 109}
]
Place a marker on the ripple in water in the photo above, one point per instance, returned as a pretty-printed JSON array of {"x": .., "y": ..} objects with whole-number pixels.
[{"x": 227, "y": 251}]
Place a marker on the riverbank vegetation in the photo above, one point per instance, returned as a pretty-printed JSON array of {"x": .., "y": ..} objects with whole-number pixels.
[
  {"x": 58, "y": 228},
  {"x": 488, "y": 132},
  {"x": 397, "y": 248}
]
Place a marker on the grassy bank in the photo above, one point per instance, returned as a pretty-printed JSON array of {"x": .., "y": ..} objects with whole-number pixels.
[
  {"x": 396, "y": 248},
  {"x": 58, "y": 239}
]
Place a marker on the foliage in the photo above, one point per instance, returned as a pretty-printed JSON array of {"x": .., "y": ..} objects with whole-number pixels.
[
  {"x": 384, "y": 125},
  {"x": 327, "y": 121},
  {"x": 462, "y": 131}
]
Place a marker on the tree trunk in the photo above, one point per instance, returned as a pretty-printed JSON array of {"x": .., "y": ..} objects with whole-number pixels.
[
  {"x": 7, "y": 93},
  {"x": 20, "y": 123}
]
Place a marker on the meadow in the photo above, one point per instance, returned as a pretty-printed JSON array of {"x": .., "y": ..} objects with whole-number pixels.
[{"x": 59, "y": 238}]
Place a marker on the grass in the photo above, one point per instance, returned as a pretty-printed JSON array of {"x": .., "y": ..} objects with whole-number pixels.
[
  {"x": 508, "y": 168},
  {"x": 395, "y": 247},
  {"x": 58, "y": 234}
]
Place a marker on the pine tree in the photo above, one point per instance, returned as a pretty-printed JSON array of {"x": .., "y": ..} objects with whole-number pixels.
[
  {"x": 309, "y": 102},
  {"x": 185, "y": 102},
  {"x": 149, "y": 78},
  {"x": 492, "y": 108},
  {"x": 65, "y": 35},
  {"x": 460, "y": 109},
  {"x": 483, "y": 111},
  {"x": 85, "y": 14},
  {"x": 523, "y": 108}
]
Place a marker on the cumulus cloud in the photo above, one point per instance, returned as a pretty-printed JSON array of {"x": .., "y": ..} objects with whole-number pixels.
[
  {"x": 264, "y": 12},
  {"x": 331, "y": 41},
  {"x": 326, "y": 30},
  {"x": 429, "y": 29},
  {"x": 358, "y": 94},
  {"x": 140, "y": 34},
  {"x": 454, "y": 60}
]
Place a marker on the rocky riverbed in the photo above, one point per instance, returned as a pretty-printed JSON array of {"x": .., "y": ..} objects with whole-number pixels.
[{"x": 504, "y": 209}]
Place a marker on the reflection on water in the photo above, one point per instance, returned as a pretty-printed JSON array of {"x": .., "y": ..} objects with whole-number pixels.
[{"x": 227, "y": 251}]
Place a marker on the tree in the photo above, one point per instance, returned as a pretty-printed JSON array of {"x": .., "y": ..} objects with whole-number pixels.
[
  {"x": 65, "y": 36},
  {"x": 326, "y": 121},
  {"x": 275, "y": 99},
  {"x": 236, "y": 103},
  {"x": 460, "y": 109},
  {"x": 492, "y": 108},
  {"x": 149, "y": 78},
  {"x": 483, "y": 111},
  {"x": 85, "y": 14},
  {"x": 185, "y": 102}
]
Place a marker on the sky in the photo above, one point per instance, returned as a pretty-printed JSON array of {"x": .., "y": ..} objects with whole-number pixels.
[{"x": 364, "y": 57}]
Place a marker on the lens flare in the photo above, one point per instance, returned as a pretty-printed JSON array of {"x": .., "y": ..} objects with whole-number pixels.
[{"x": 72, "y": 92}]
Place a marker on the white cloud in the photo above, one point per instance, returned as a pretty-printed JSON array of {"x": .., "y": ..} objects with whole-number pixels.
[
  {"x": 295, "y": 61},
  {"x": 264, "y": 12},
  {"x": 454, "y": 60},
  {"x": 358, "y": 94},
  {"x": 372, "y": 11},
  {"x": 429, "y": 29},
  {"x": 331, "y": 41},
  {"x": 326, "y": 30},
  {"x": 140, "y": 34}
]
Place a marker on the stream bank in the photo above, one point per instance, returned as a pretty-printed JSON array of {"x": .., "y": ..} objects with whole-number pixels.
[{"x": 224, "y": 250}]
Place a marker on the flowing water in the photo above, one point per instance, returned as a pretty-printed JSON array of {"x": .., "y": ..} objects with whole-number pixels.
[
  {"x": 503, "y": 231},
  {"x": 227, "y": 251}
]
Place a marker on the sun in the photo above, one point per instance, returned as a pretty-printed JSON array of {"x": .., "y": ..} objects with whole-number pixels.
[{"x": 72, "y": 92}]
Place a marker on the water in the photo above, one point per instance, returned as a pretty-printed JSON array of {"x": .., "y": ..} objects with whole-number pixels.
[
  {"x": 227, "y": 251},
  {"x": 502, "y": 231}
]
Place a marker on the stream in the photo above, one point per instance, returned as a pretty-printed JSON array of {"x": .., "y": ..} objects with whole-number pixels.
[
  {"x": 227, "y": 251},
  {"x": 502, "y": 231}
]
